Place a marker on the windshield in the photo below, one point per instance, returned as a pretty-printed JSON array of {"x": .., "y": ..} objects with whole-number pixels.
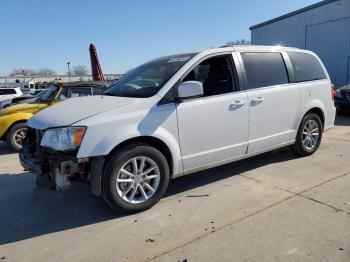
[
  {"x": 147, "y": 79},
  {"x": 48, "y": 95},
  {"x": 36, "y": 93}
]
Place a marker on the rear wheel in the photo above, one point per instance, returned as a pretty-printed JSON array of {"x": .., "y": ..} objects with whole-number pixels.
[
  {"x": 135, "y": 178},
  {"x": 16, "y": 135},
  {"x": 309, "y": 135}
]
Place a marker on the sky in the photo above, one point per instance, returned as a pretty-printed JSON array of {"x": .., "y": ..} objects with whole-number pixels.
[{"x": 47, "y": 33}]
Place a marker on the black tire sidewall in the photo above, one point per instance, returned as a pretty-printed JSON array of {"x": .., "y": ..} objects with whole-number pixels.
[
  {"x": 112, "y": 168},
  {"x": 300, "y": 145},
  {"x": 10, "y": 135}
]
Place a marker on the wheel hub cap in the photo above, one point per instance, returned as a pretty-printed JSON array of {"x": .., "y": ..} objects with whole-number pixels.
[
  {"x": 19, "y": 136},
  {"x": 310, "y": 134},
  {"x": 138, "y": 179}
]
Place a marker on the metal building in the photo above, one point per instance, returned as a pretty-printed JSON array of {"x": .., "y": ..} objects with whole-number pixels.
[{"x": 323, "y": 27}]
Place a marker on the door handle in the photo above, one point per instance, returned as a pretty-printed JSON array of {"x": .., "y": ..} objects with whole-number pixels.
[
  {"x": 257, "y": 100},
  {"x": 237, "y": 104}
]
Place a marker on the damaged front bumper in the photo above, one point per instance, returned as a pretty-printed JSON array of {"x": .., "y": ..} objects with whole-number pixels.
[{"x": 59, "y": 168}]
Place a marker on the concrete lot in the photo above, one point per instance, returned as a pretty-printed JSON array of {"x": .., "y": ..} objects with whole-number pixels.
[{"x": 274, "y": 207}]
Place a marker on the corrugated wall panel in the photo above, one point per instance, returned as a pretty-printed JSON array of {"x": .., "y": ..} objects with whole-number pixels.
[
  {"x": 331, "y": 41},
  {"x": 324, "y": 30}
]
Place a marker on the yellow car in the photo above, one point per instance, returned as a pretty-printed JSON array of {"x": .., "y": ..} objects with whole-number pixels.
[{"x": 13, "y": 119}]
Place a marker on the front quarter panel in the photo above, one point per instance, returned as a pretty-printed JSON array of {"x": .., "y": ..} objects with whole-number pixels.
[
  {"x": 106, "y": 131},
  {"x": 7, "y": 121}
]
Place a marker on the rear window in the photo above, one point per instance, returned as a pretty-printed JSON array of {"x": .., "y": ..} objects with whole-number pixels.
[
  {"x": 306, "y": 67},
  {"x": 78, "y": 92},
  {"x": 71, "y": 92},
  {"x": 264, "y": 69}
]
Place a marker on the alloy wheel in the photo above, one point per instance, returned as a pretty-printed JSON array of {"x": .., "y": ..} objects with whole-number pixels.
[
  {"x": 138, "y": 179},
  {"x": 19, "y": 135},
  {"x": 311, "y": 134}
]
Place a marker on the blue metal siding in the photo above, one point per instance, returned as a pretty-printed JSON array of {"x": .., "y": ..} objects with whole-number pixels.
[
  {"x": 333, "y": 47},
  {"x": 324, "y": 30}
]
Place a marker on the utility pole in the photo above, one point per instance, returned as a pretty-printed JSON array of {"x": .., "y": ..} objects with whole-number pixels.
[
  {"x": 68, "y": 63},
  {"x": 24, "y": 77}
]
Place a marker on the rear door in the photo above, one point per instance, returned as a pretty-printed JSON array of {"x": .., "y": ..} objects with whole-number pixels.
[{"x": 273, "y": 102}]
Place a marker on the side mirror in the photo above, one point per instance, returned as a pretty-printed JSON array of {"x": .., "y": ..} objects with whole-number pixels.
[{"x": 190, "y": 89}]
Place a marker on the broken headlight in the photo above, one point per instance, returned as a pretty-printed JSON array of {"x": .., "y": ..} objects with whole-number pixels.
[{"x": 65, "y": 138}]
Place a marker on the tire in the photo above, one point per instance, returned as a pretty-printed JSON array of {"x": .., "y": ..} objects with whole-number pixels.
[
  {"x": 307, "y": 146},
  {"x": 16, "y": 134},
  {"x": 134, "y": 199}
]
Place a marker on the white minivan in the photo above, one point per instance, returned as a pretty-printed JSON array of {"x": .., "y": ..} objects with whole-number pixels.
[{"x": 180, "y": 114}]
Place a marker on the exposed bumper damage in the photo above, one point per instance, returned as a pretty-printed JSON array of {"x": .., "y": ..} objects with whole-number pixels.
[{"x": 59, "y": 169}]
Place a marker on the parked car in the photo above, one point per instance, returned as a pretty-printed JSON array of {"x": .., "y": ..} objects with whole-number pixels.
[
  {"x": 342, "y": 100},
  {"x": 180, "y": 114},
  {"x": 25, "y": 98},
  {"x": 13, "y": 119},
  {"x": 9, "y": 92}
]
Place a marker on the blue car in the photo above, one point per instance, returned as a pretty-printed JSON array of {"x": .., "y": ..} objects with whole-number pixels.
[{"x": 342, "y": 100}]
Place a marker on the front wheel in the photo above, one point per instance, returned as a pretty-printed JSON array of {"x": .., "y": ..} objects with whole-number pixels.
[
  {"x": 309, "y": 135},
  {"x": 135, "y": 178},
  {"x": 16, "y": 135}
]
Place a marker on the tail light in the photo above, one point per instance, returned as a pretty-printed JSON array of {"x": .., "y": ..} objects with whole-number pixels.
[{"x": 332, "y": 90}]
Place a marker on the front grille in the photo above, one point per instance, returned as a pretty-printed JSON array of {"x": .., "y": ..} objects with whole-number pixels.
[{"x": 32, "y": 140}]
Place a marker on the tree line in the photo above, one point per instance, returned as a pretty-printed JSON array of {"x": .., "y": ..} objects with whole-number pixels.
[{"x": 78, "y": 70}]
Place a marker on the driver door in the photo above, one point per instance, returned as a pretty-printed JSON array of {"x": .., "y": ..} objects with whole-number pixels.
[{"x": 214, "y": 128}]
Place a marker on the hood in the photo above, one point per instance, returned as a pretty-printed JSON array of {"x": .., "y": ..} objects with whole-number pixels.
[
  {"x": 24, "y": 108},
  {"x": 345, "y": 88},
  {"x": 75, "y": 109}
]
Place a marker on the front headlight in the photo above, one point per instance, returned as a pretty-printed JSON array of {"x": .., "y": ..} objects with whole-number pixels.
[
  {"x": 337, "y": 93},
  {"x": 65, "y": 138}
]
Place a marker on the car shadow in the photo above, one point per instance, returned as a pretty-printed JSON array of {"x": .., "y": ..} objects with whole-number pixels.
[
  {"x": 213, "y": 175},
  {"x": 27, "y": 212},
  {"x": 5, "y": 149}
]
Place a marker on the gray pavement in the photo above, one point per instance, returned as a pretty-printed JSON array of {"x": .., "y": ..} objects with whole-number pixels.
[{"x": 273, "y": 207}]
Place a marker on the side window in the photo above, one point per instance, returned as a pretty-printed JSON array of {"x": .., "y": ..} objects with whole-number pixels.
[
  {"x": 306, "y": 67},
  {"x": 264, "y": 69},
  {"x": 216, "y": 74},
  {"x": 1, "y": 91},
  {"x": 9, "y": 92}
]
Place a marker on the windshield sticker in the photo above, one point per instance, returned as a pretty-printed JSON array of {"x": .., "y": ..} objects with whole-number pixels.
[{"x": 178, "y": 59}]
